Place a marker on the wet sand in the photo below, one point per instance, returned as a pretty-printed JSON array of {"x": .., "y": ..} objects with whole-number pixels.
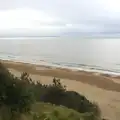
[{"x": 100, "y": 88}]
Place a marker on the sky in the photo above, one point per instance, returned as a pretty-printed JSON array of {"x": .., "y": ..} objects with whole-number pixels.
[{"x": 53, "y": 17}]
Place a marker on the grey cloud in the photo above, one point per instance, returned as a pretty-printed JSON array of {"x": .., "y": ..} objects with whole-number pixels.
[{"x": 85, "y": 15}]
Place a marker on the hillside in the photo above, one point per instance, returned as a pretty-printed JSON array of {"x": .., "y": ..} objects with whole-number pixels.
[{"x": 23, "y": 99}]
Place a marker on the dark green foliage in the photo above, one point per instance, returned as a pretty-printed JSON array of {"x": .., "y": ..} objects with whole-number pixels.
[
  {"x": 58, "y": 95},
  {"x": 14, "y": 92},
  {"x": 54, "y": 93}
]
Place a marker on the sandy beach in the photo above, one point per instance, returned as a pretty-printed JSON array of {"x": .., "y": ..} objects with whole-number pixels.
[{"x": 100, "y": 88}]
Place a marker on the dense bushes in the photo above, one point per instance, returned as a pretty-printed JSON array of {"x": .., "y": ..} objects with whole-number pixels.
[
  {"x": 19, "y": 93},
  {"x": 57, "y": 94},
  {"x": 14, "y": 92}
]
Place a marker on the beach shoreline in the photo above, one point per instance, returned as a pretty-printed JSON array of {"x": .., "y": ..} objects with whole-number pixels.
[
  {"x": 100, "y": 80},
  {"x": 100, "y": 88}
]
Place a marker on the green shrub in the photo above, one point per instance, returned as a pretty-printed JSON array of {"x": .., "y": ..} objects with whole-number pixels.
[
  {"x": 58, "y": 95},
  {"x": 14, "y": 92}
]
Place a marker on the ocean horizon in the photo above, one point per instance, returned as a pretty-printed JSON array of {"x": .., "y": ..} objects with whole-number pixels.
[{"x": 88, "y": 54}]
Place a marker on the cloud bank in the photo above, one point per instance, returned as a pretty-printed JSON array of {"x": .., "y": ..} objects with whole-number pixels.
[{"x": 59, "y": 16}]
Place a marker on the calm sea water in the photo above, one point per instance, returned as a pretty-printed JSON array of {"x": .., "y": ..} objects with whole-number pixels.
[{"x": 102, "y": 55}]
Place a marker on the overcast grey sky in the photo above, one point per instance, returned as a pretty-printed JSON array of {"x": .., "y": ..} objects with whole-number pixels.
[{"x": 61, "y": 15}]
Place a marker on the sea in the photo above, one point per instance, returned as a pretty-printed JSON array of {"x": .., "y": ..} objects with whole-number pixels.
[{"x": 75, "y": 53}]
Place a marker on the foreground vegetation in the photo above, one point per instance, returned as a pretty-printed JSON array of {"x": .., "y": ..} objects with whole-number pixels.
[{"x": 20, "y": 96}]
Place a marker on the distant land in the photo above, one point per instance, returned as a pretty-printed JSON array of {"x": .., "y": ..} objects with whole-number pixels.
[{"x": 63, "y": 34}]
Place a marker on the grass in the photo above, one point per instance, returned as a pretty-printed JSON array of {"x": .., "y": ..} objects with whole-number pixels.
[{"x": 47, "y": 111}]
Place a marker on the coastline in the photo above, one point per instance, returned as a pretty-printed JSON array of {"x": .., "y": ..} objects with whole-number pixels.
[
  {"x": 100, "y": 80},
  {"x": 100, "y": 88},
  {"x": 65, "y": 65}
]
